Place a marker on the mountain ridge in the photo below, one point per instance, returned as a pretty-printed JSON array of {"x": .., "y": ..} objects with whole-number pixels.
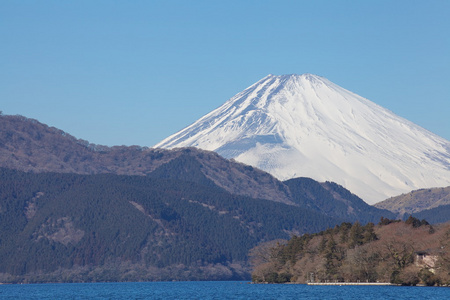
[
  {"x": 28, "y": 145},
  {"x": 416, "y": 201},
  {"x": 31, "y": 146}
]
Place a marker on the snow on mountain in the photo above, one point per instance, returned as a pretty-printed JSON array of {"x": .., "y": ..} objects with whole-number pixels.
[{"x": 305, "y": 125}]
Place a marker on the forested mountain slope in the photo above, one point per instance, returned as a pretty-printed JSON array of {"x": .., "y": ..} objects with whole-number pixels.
[
  {"x": 28, "y": 145},
  {"x": 67, "y": 227},
  {"x": 332, "y": 199}
]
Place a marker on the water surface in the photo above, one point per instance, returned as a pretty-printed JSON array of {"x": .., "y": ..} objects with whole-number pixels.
[{"x": 214, "y": 290}]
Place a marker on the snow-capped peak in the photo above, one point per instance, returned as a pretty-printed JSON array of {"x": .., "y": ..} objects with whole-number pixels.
[{"x": 305, "y": 125}]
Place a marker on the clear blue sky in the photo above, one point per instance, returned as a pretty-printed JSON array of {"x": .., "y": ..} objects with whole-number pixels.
[{"x": 134, "y": 72}]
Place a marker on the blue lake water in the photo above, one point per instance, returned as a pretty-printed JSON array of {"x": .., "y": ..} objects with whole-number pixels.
[{"x": 214, "y": 290}]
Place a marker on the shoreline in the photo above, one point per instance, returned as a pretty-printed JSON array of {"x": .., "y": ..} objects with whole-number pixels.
[{"x": 349, "y": 283}]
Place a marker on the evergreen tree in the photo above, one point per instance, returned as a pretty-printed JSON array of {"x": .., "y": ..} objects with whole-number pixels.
[
  {"x": 344, "y": 229},
  {"x": 356, "y": 235},
  {"x": 369, "y": 233},
  {"x": 331, "y": 258}
]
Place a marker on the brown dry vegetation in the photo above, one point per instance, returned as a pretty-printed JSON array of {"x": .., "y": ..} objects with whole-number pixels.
[
  {"x": 416, "y": 201},
  {"x": 351, "y": 253}
]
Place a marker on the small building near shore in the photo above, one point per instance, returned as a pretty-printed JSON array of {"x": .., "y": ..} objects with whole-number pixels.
[{"x": 426, "y": 260}]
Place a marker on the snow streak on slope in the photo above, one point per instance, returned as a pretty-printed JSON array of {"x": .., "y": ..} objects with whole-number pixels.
[{"x": 305, "y": 125}]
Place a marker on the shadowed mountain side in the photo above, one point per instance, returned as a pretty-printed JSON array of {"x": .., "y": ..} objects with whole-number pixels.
[
  {"x": 210, "y": 169},
  {"x": 333, "y": 200},
  {"x": 440, "y": 214},
  {"x": 68, "y": 227}
]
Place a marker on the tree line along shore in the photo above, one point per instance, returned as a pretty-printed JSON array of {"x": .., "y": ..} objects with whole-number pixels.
[{"x": 410, "y": 252}]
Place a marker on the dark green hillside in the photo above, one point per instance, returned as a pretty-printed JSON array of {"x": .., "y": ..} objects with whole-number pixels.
[
  {"x": 185, "y": 167},
  {"x": 333, "y": 200},
  {"x": 440, "y": 214},
  {"x": 28, "y": 145},
  {"x": 66, "y": 227}
]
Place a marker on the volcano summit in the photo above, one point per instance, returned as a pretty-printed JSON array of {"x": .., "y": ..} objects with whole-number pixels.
[{"x": 306, "y": 126}]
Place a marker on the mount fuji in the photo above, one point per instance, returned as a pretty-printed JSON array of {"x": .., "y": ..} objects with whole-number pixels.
[{"x": 306, "y": 126}]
